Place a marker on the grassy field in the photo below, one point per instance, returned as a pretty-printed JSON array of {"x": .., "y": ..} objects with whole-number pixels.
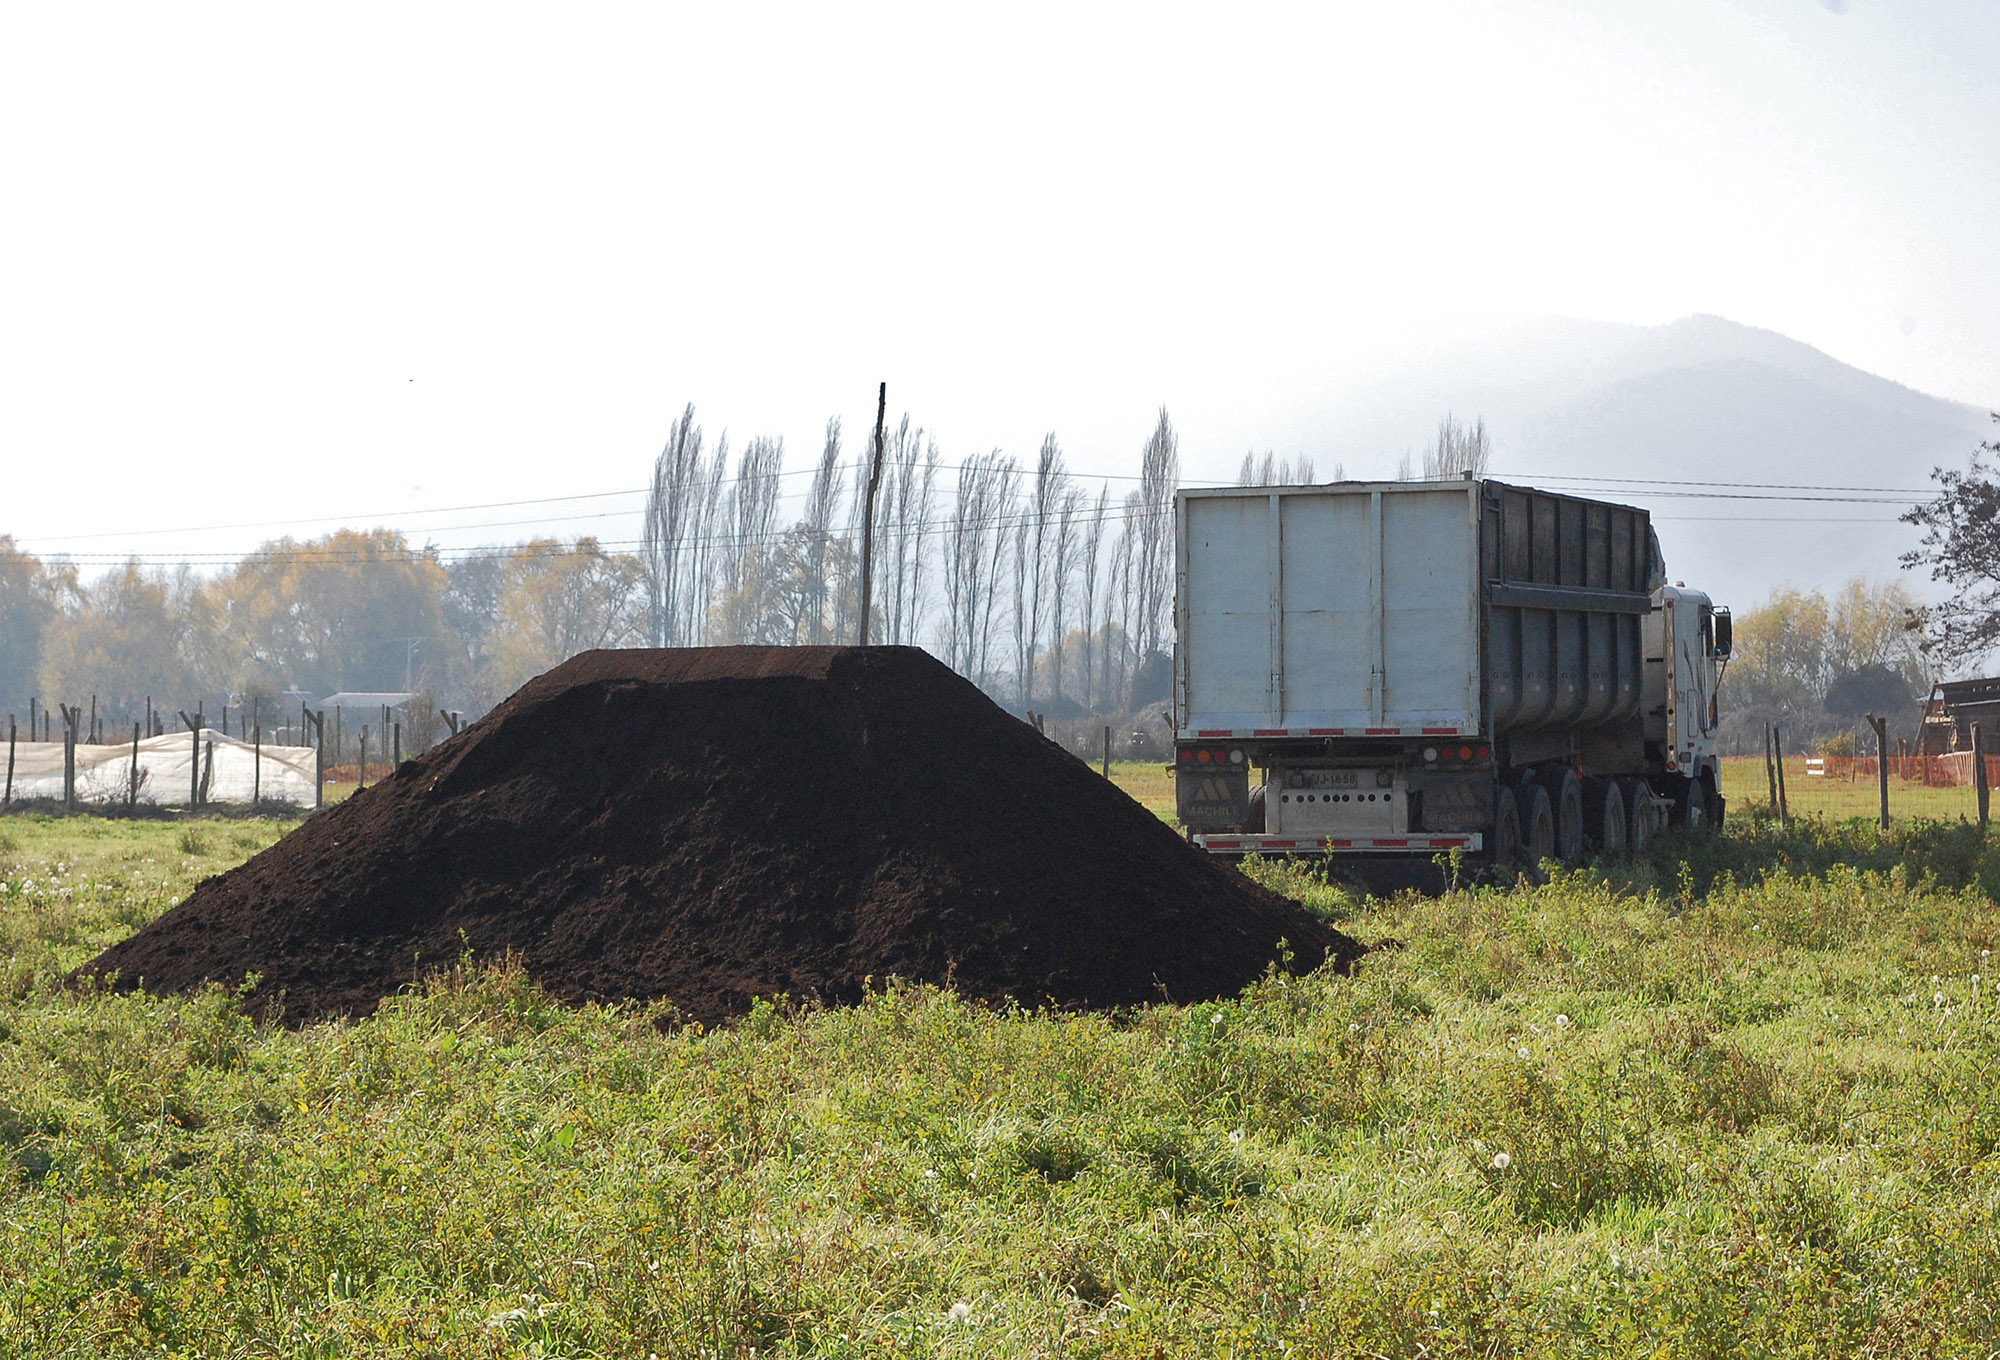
[{"x": 1739, "y": 1101}]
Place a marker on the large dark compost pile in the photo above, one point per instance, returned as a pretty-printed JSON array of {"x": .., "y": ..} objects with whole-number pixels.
[{"x": 713, "y": 824}]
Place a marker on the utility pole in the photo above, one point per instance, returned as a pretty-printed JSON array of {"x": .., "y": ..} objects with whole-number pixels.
[{"x": 868, "y": 514}]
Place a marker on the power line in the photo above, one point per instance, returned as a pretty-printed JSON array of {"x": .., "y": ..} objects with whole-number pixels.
[{"x": 1752, "y": 486}]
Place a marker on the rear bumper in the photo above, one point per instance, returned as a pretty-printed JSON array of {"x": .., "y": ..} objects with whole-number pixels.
[{"x": 1428, "y": 844}]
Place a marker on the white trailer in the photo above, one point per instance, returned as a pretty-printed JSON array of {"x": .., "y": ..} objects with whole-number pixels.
[{"x": 1403, "y": 668}]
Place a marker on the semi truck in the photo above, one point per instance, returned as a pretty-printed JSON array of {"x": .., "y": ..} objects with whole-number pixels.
[{"x": 1394, "y": 670}]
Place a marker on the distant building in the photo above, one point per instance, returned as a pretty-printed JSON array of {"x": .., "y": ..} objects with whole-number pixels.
[{"x": 1952, "y": 709}]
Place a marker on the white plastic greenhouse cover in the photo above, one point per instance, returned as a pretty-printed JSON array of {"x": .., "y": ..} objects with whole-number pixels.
[{"x": 104, "y": 773}]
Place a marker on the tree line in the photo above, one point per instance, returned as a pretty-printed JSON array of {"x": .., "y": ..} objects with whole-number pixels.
[{"x": 1008, "y": 569}]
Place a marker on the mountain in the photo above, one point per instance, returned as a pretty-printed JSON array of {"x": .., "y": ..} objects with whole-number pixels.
[{"x": 1702, "y": 399}]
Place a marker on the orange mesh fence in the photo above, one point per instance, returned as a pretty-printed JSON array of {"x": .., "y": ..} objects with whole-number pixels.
[{"x": 1937, "y": 787}]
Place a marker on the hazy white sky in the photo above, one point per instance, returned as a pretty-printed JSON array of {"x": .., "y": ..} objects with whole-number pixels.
[{"x": 264, "y": 261}]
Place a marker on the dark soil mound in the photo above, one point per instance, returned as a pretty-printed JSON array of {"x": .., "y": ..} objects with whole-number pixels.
[{"x": 713, "y": 824}]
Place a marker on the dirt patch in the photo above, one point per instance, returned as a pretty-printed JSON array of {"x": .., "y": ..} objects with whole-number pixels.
[{"x": 712, "y": 824}]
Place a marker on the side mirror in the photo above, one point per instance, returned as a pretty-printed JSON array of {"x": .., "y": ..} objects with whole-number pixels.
[{"x": 1724, "y": 636}]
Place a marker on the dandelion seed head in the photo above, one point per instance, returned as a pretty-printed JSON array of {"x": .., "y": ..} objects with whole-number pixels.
[
  {"x": 1937, "y": 998},
  {"x": 1523, "y": 1052},
  {"x": 1501, "y": 1161},
  {"x": 1562, "y": 1022},
  {"x": 960, "y": 1311},
  {"x": 1215, "y": 1019},
  {"x": 1236, "y": 1135}
]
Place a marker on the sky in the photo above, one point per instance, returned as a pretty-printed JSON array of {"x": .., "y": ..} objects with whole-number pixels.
[{"x": 269, "y": 268}]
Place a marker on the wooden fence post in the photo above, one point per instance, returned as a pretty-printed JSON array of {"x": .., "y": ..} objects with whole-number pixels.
[
  {"x": 361, "y": 770},
  {"x": 1881, "y": 726},
  {"x": 1778, "y": 752},
  {"x": 194, "y": 760},
  {"x": 1979, "y": 774},
  {"x": 1107, "y": 753},
  {"x": 1770, "y": 770},
  {"x": 319, "y": 761},
  {"x": 8, "y": 800},
  {"x": 399, "y": 746},
  {"x": 72, "y": 718},
  {"x": 132, "y": 792}
]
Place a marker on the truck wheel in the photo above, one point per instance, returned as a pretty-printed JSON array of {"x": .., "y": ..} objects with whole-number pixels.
[
  {"x": 1716, "y": 805},
  {"x": 1608, "y": 831},
  {"x": 1538, "y": 828},
  {"x": 1646, "y": 821},
  {"x": 1254, "y": 823},
  {"x": 1506, "y": 847},
  {"x": 1569, "y": 820}
]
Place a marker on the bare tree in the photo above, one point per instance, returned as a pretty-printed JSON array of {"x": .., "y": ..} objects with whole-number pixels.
[
  {"x": 1121, "y": 591},
  {"x": 1153, "y": 567},
  {"x": 1272, "y": 470},
  {"x": 1458, "y": 450},
  {"x": 1045, "y": 499},
  {"x": 671, "y": 510},
  {"x": 903, "y": 528},
  {"x": 1024, "y": 637},
  {"x": 1066, "y": 540},
  {"x": 746, "y": 532},
  {"x": 822, "y": 503},
  {"x": 985, "y": 485},
  {"x": 1002, "y": 498},
  {"x": 1093, "y": 552}
]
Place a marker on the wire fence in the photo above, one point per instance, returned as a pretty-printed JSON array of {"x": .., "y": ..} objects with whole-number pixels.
[{"x": 1940, "y": 788}]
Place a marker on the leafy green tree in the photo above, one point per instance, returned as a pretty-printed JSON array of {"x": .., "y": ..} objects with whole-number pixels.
[{"x": 1961, "y": 546}]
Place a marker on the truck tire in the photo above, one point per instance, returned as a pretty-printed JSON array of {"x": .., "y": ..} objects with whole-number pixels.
[
  {"x": 1609, "y": 828},
  {"x": 1646, "y": 822},
  {"x": 1505, "y": 849},
  {"x": 1254, "y": 823},
  {"x": 1569, "y": 820},
  {"x": 1538, "y": 827}
]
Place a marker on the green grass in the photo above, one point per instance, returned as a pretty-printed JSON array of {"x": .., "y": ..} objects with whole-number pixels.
[{"x": 1749, "y": 1107}]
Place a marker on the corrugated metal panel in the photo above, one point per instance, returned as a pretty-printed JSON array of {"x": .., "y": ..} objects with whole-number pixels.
[{"x": 1352, "y": 607}]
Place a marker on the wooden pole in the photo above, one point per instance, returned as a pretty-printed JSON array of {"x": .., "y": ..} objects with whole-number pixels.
[
  {"x": 1778, "y": 749},
  {"x": 1770, "y": 770},
  {"x": 208, "y": 767},
  {"x": 132, "y": 789},
  {"x": 361, "y": 770},
  {"x": 194, "y": 760},
  {"x": 1881, "y": 726},
  {"x": 72, "y": 719},
  {"x": 1979, "y": 774},
  {"x": 319, "y": 762},
  {"x": 256, "y": 770},
  {"x": 868, "y": 513},
  {"x": 398, "y": 730},
  {"x": 7, "y": 800},
  {"x": 93, "y": 720},
  {"x": 1107, "y": 753}
]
